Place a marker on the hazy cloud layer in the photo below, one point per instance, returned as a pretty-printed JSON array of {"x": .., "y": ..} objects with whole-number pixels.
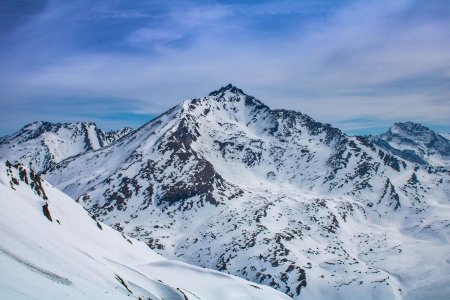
[{"x": 360, "y": 65}]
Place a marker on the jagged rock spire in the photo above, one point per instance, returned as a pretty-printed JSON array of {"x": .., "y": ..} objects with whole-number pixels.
[{"x": 228, "y": 88}]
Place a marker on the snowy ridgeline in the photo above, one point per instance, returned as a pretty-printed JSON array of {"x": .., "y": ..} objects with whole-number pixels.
[
  {"x": 50, "y": 248},
  {"x": 41, "y": 145},
  {"x": 416, "y": 143},
  {"x": 272, "y": 196},
  {"x": 446, "y": 135},
  {"x": 275, "y": 197}
]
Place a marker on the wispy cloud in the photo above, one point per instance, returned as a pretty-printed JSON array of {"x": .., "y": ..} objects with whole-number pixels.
[{"x": 359, "y": 64}]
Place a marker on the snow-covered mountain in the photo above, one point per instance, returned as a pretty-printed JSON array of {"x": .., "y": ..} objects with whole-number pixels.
[
  {"x": 50, "y": 248},
  {"x": 416, "y": 143},
  {"x": 446, "y": 135},
  {"x": 272, "y": 196},
  {"x": 43, "y": 144}
]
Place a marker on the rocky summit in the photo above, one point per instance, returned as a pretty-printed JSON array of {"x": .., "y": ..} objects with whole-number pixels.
[{"x": 416, "y": 143}]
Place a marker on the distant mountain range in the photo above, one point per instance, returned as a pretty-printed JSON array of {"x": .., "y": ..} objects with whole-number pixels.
[
  {"x": 41, "y": 145},
  {"x": 273, "y": 196}
]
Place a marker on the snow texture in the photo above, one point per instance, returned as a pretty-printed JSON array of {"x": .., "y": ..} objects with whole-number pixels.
[
  {"x": 416, "y": 143},
  {"x": 41, "y": 145},
  {"x": 51, "y": 248},
  {"x": 272, "y": 196}
]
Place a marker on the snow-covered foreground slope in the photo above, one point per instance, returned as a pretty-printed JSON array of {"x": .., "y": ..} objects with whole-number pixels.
[
  {"x": 40, "y": 145},
  {"x": 50, "y": 248},
  {"x": 275, "y": 197}
]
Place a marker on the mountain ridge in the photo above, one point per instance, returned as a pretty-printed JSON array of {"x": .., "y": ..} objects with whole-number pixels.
[
  {"x": 272, "y": 196},
  {"x": 416, "y": 143},
  {"x": 187, "y": 182},
  {"x": 43, "y": 144}
]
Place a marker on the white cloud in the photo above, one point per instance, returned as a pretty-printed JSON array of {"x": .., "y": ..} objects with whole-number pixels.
[{"x": 376, "y": 61}]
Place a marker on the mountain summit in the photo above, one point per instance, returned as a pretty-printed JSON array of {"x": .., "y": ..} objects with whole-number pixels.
[
  {"x": 273, "y": 196},
  {"x": 228, "y": 88},
  {"x": 41, "y": 145},
  {"x": 416, "y": 143}
]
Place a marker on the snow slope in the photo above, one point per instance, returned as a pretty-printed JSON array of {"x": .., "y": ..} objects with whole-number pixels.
[
  {"x": 50, "y": 248},
  {"x": 446, "y": 135},
  {"x": 42, "y": 144},
  {"x": 272, "y": 196}
]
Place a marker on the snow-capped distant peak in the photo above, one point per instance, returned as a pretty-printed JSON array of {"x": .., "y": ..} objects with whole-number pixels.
[
  {"x": 43, "y": 144},
  {"x": 416, "y": 143},
  {"x": 411, "y": 130}
]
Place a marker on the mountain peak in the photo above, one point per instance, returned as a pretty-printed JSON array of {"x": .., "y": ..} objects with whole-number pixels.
[
  {"x": 34, "y": 125},
  {"x": 228, "y": 88},
  {"x": 414, "y": 132},
  {"x": 44, "y": 126},
  {"x": 231, "y": 93},
  {"x": 410, "y": 127},
  {"x": 416, "y": 143},
  {"x": 44, "y": 144},
  {"x": 410, "y": 130}
]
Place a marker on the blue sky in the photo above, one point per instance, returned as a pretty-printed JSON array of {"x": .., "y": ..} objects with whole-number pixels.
[{"x": 359, "y": 65}]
